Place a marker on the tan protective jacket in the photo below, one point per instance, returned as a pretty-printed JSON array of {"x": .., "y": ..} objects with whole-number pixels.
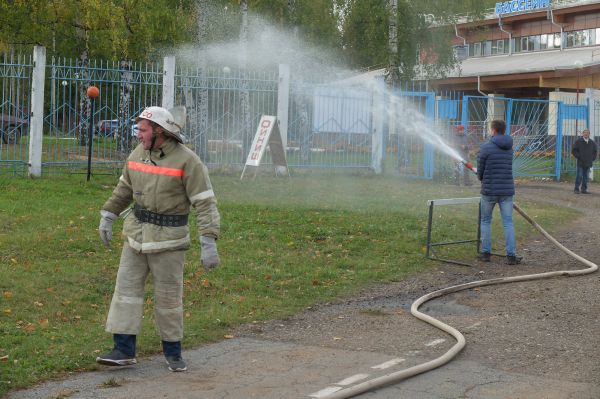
[{"x": 175, "y": 181}]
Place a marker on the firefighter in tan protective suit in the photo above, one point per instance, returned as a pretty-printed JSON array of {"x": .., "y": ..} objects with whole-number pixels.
[{"x": 162, "y": 179}]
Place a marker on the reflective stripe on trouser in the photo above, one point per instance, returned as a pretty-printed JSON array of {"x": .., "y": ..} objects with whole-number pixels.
[{"x": 127, "y": 306}]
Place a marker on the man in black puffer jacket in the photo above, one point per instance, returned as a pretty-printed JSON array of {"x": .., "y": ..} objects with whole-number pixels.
[
  {"x": 584, "y": 150},
  {"x": 494, "y": 170}
]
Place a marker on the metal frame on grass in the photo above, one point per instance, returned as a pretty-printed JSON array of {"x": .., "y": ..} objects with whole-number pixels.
[{"x": 431, "y": 245}]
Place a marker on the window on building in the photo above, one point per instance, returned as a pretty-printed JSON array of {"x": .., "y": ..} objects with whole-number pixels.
[
  {"x": 543, "y": 42},
  {"x": 534, "y": 43},
  {"x": 516, "y": 44},
  {"x": 524, "y": 44},
  {"x": 487, "y": 48},
  {"x": 557, "y": 40},
  {"x": 461, "y": 52},
  {"x": 579, "y": 38},
  {"x": 500, "y": 46},
  {"x": 570, "y": 39},
  {"x": 582, "y": 38}
]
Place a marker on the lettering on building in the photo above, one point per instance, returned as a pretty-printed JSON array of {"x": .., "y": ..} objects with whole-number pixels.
[{"x": 515, "y": 6}]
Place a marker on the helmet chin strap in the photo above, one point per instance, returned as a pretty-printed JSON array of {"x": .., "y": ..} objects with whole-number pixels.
[{"x": 154, "y": 137}]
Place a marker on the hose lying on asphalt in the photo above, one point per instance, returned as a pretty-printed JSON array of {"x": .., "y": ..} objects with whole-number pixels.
[{"x": 460, "y": 339}]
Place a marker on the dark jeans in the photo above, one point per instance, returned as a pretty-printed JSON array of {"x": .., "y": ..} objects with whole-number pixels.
[
  {"x": 171, "y": 348},
  {"x": 581, "y": 179},
  {"x": 125, "y": 343}
]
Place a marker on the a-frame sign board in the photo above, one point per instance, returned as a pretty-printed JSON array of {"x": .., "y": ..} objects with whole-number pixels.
[{"x": 267, "y": 134}]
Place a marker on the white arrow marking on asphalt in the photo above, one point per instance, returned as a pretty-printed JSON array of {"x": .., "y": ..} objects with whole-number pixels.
[
  {"x": 353, "y": 379},
  {"x": 388, "y": 364},
  {"x": 325, "y": 392}
]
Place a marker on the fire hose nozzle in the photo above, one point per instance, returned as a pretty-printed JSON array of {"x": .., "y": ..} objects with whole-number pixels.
[{"x": 469, "y": 166}]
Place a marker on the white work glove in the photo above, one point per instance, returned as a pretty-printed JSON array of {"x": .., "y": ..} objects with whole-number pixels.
[
  {"x": 105, "y": 228},
  {"x": 209, "y": 257}
]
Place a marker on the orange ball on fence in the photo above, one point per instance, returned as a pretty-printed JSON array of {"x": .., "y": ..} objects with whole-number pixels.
[{"x": 93, "y": 92}]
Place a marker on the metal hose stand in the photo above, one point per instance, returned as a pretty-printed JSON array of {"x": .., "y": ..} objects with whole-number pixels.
[{"x": 398, "y": 376}]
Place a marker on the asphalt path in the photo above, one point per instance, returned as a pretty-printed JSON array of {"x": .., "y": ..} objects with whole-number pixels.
[{"x": 248, "y": 368}]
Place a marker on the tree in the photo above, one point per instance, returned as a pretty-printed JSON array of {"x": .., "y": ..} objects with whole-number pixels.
[
  {"x": 199, "y": 109},
  {"x": 392, "y": 74},
  {"x": 244, "y": 92},
  {"x": 114, "y": 30},
  {"x": 368, "y": 26}
]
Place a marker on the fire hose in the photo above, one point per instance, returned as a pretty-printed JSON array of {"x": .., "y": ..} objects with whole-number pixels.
[{"x": 398, "y": 376}]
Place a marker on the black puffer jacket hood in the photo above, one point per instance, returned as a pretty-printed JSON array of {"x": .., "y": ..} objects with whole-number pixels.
[{"x": 503, "y": 141}]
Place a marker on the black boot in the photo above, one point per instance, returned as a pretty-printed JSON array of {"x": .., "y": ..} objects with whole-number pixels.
[
  {"x": 485, "y": 257},
  {"x": 512, "y": 260}
]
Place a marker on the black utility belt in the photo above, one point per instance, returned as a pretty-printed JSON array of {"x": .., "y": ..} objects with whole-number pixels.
[{"x": 146, "y": 216}]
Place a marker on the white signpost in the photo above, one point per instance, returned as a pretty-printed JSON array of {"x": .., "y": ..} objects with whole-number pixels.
[{"x": 267, "y": 134}]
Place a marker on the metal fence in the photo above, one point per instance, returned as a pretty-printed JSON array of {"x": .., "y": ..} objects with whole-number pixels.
[
  {"x": 15, "y": 89},
  {"x": 324, "y": 124},
  {"x": 216, "y": 128},
  {"x": 71, "y": 117},
  {"x": 543, "y": 131}
]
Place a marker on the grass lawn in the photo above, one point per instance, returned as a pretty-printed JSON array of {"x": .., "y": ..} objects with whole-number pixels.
[{"x": 285, "y": 244}]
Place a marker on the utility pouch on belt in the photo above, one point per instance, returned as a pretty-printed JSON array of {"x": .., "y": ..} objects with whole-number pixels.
[{"x": 146, "y": 216}]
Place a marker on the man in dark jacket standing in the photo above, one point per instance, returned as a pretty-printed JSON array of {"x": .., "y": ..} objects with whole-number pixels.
[
  {"x": 585, "y": 151},
  {"x": 494, "y": 170}
]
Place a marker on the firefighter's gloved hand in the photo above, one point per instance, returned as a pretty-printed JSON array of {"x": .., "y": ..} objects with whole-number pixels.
[
  {"x": 209, "y": 257},
  {"x": 105, "y": 228}
]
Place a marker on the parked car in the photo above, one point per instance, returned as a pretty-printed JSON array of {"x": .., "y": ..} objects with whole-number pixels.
[
  {"x": 134, "y": 130},
  {"x": 107, "y": 127},
  {"x": 12, "y": 128}
]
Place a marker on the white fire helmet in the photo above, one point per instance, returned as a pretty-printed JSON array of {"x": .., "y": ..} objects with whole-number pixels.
[{"x": 171, "y": 120}]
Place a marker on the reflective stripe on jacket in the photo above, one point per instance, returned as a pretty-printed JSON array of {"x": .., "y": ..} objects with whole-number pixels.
[{"x": 169, "y": 181}]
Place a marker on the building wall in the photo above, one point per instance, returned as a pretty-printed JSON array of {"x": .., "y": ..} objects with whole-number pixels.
[{"x": 528, "y": 28}]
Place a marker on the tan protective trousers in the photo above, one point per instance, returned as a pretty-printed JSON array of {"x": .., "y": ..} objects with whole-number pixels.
[{"x": 127, "y": 306}]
